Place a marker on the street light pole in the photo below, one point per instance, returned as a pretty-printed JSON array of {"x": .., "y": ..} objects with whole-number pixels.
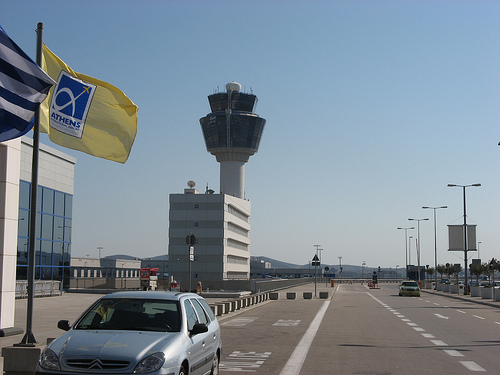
[
  {"x": 466, "y": 287},
  {"x": 406, "y": 248},
  {"x": 418, "y": 246},
  {"x": 435, "y": 242},
  {"x": 340, "y": 266}
]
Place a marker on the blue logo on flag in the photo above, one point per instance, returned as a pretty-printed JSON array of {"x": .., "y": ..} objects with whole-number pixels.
[{"x": 70, "y": 104}]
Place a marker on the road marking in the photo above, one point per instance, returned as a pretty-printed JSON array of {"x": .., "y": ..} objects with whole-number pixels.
[
  {"x": 477, "y": 316},
  {"x": 238, "y": 322},
  {"x": 406, "y": 320},
  {"x": 419, "y": 329},
  {"x": 439, "y": 343},
  {"x": 437, "y": 304},
  {"x": 462, "y": 312},
  {"x": 441, "y": 316},
  {"x": 400, "y": 316},
  {"x": 428, "y": 336},
  {"x": 239, "y": 361},
  {"x": 412, "y": 324},
  {"x": 497, "y": 322},
  {"x": 473, "y": 366},
  {"x": 299, "y": 355},
  {"x": 453, "y": 352},
  {"x": 287, "y": 323}
]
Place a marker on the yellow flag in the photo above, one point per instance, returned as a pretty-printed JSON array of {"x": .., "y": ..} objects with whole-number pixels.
[{"x": 87, "y": 114}]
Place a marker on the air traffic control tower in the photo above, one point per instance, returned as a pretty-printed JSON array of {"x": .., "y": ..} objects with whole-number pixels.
[
  {"x": 220, "y": 222},
  {"x": 232, "y": 133}
]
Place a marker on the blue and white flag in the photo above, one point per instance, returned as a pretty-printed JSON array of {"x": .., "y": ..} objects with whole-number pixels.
[{"x": 23, "y": 86}]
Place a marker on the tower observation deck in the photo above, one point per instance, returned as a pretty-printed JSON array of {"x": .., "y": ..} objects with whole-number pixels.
[{"x": 232, "y": 133}]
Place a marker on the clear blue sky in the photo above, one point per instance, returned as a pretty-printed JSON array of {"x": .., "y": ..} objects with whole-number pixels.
[{"x": 372, "y": 108}]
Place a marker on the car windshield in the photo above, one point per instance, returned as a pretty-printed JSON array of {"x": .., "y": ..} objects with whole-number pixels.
[
  {"x": 132, "y": 314},
  {"x": 409, "y": 283}
]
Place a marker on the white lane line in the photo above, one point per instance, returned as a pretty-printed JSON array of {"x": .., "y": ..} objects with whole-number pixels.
[
  {"x": 441, "y": 316},
  {"x": 428, "y": 335},
  {"x": 298, "y": 357},
  {"x": 439, "y": 343},
  {"x": 462, "y": 312},
  {"x": 477, "y": 316},
  {"x": 472, "y": 366},
  {"x": 400, "y": 316},
  {"x": 406, "y": 320},
  {"x": 497, "y": 322},
  {"x": 412, "y": 324},
  {"x": 453, "y": 352},
  {"x": 437, "y": 304},
  {"x": 419, "y": 329}
]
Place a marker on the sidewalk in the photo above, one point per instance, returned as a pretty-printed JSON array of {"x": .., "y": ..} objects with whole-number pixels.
[{"x": 479, "y": 300}]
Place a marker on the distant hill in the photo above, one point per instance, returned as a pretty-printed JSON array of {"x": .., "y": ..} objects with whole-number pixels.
[
  {"x": 279, "y": 264},
  {"x": 129, "y": 257},
  {"x": 346, "y": 268}
]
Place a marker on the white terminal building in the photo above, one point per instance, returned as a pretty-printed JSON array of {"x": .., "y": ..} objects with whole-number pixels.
[{"x": 220, "y": 222}]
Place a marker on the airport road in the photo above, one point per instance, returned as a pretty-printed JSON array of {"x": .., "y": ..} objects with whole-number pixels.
[
  {"x": 363, "y": 331},
  {"x": 356, "y": 331}
]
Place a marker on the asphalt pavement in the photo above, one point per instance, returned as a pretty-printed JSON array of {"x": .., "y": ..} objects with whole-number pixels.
[{"x": 47, "y": 311}]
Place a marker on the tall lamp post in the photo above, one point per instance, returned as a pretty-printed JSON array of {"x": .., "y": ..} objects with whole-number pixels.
[
  {"x": 340, "y": 266},
  {"x": 406, "y": 247},
  {"x": 435, "y": 242},
  {"x": 418, "y": 246},
  {"x": 466, "y": 287}
]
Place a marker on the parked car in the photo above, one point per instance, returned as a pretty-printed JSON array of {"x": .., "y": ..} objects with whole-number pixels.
[
  {"x": 138, "y": 333},
  {"x": 409, "y": 288}
]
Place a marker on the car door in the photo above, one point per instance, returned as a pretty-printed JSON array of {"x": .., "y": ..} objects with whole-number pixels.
[
  {"x": 197, "y": 358},
  {"x": 212, "y": 336}
]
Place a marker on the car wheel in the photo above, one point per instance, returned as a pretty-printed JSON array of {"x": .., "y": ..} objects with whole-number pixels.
[
  {"x": 182, "y": 371},
  {"x": 215, "y": 365}
]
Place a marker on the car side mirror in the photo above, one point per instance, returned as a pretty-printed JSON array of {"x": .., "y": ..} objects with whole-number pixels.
[
  {"x": 63, "y": 324},
  {"x": 198, "y": 328}
]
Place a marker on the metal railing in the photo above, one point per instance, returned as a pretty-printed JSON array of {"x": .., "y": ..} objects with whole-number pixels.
[{"x": 42, "y": 288}]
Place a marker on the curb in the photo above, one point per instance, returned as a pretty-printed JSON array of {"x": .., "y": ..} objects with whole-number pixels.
[{"x": 467, "y": 299}]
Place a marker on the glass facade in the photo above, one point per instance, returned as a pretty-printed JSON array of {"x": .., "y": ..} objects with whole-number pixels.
[{"x": 53, "y": 234}]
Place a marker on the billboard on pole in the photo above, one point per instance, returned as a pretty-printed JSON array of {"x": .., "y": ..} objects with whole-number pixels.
[{"x": 456, "y": 238}]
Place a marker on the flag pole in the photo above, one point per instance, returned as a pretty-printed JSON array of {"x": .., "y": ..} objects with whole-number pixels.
[{"x": 29, "y": 337}]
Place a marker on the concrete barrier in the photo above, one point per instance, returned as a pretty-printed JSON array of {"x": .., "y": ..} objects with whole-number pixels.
[
  {"x": 291, "y": 295},
  {"x": 274, "y": 295},
  {"x": 497, "y": 295},
  {"x": 307, "y": 295},
  {"x": 475, "y": 291},
  {"x": 324, "y": 295},
  {"x": 486, "y": 292}
]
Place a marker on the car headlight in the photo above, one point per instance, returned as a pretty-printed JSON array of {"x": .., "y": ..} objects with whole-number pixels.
[
  {"x": 150, "y": 363},
  {"x": 49, "y": 360}
]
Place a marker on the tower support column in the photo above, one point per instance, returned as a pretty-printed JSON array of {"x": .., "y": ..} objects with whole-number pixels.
[{"x": 232, "y": 178}]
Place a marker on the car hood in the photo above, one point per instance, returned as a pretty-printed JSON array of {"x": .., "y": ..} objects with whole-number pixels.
[{"x": 117, "y": 344}]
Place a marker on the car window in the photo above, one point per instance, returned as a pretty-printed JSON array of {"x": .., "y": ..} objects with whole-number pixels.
[
  {"x": 191, "y": 317},
  {"x": 409, "y": 283},
  {"x": 207, "y": 308},
  {"x": 132, "y": 314},
  {"x": 202, "y": 316}
]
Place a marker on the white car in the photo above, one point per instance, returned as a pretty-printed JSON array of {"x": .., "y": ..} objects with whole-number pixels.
[{"x": 138, "y": 333}]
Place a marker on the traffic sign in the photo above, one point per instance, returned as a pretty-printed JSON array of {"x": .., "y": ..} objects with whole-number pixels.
[{"x": 190, "y": 239}]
